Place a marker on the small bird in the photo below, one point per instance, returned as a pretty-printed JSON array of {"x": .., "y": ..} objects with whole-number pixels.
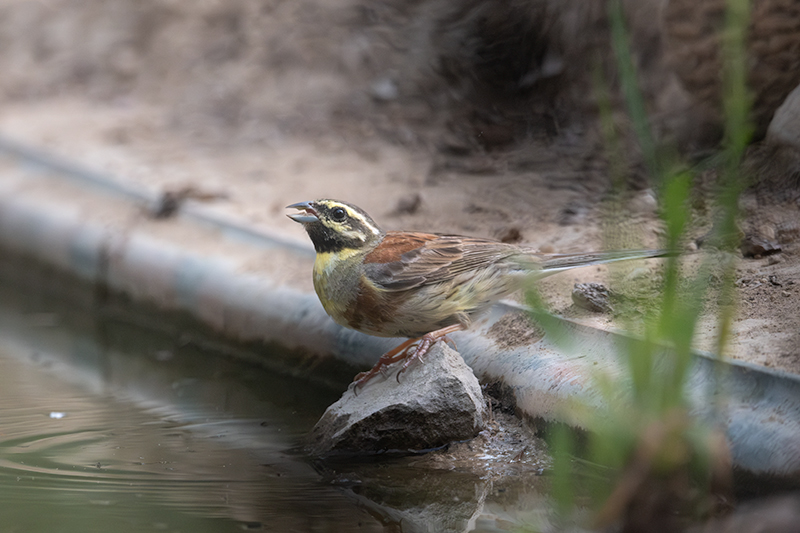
[{"x": 418, "y": 285}]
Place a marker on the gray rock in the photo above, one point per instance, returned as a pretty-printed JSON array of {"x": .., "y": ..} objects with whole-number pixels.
[
  {"x": 785, "y": 125},
  {"x": 436, "y": 402},
  {"x": 592, "y": 296}
]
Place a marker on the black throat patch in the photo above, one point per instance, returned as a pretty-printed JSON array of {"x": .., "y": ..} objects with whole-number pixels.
[{"x": 327, "y": 240}]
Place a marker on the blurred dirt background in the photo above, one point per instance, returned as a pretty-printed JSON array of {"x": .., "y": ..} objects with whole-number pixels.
[{"x": 451, "y": 116}]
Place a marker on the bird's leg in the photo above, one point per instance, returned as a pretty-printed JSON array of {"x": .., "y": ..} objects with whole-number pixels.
[
  {"x": 425, "y": 343},
  {"x": 390, "y": 357},
  {"x": 403, "y": 351}
]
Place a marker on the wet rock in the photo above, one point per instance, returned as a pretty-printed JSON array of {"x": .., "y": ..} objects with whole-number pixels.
[
  {"x": 435, "y": 403},
  {"x": 446, "y": 489},
  {"x": 592, "y": 296}
]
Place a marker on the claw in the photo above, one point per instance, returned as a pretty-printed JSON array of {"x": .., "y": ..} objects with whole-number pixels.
[{"x": 408, "y": 351}]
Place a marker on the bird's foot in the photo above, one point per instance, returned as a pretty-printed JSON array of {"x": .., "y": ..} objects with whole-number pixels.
[
  {"x": 409, "y": 351},
  {"x": 390, "y": 357}
]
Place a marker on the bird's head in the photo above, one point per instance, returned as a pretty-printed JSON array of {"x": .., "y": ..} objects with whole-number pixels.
[{"x": 335, "y": 226}]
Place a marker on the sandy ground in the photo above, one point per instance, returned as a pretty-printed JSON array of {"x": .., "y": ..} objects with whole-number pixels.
[
  {"x": 394, "y": 185},
  {"x": 318, "y": 120}
]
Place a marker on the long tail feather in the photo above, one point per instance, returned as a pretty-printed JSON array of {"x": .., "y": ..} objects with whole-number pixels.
[{"x": 550, "y": 264}]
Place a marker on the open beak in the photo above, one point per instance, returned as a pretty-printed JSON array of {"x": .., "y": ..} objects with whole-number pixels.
[{"x": 308, "y": 215}]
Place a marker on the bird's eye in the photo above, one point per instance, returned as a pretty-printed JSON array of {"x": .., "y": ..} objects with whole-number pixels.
[{"x": 338, "y": 214}]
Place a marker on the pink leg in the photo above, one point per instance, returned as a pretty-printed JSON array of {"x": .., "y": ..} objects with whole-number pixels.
[
  {"x": 390, "y": 357},
  {"x": 425, "y": 343},
  {"x": 404, "y": 351}
]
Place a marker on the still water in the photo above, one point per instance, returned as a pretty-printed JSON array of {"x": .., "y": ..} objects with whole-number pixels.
[{"x": 115, "y": 418}]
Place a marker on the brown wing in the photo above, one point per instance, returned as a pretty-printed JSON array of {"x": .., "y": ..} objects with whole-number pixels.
[{"x": 405, "y": 260}]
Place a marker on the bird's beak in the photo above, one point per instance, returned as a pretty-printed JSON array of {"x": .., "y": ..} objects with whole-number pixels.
[{"x": 308, "y": 215}]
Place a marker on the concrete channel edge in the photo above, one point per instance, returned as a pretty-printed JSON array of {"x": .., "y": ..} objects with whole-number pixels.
[{"x": 760, "y": 408}]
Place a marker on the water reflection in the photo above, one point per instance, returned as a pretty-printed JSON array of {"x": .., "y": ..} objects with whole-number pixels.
[
  {"x": 112, "y": 420},
  {"x": 449, "y": 491},
  {"x": 105, "y": 425}
]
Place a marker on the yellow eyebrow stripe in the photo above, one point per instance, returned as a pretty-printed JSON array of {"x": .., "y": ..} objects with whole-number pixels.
[
  {"x": 354, "y": 215},
  {"x": 358, "y": 216}
]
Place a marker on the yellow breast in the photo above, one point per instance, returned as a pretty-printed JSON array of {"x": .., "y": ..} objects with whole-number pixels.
[{"x": 336, "y": 279}]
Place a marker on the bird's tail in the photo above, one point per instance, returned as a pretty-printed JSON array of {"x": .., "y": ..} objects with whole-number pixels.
[{"x": 552, "y": 263}]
